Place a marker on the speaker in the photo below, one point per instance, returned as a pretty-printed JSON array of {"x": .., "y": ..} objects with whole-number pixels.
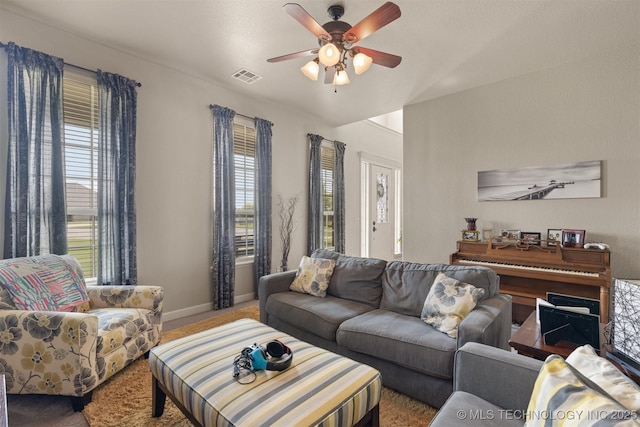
[{"x": 261, "y": 357}]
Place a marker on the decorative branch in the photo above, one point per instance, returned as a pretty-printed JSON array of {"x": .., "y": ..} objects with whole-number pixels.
[{"x": 286, "y": 211}]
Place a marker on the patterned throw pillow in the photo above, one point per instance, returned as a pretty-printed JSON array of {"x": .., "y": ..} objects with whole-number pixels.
[
  {"x": 313, "y": 276},
  {"x": 43, "y": 283},
  {"x": 606, "y": 375},
  {"x": 448, "y": 302},
  {"x": 561, "y": 396}
]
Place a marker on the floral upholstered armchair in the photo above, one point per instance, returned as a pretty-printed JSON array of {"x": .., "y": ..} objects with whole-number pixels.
[{"x": 61, "y": 337}]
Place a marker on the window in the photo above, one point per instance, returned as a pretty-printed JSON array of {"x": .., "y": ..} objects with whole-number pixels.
[
  {"x": 80, "y": 98},
  {"x": 244, "y": 156},
  {"x": 327, "y": 163}
]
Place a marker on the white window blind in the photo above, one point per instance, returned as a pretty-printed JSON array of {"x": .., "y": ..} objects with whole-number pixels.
[
  {"x": 244, "y": 154},
  {"x": 327, "y": 162},
  {"x": 81, "y": 126}
]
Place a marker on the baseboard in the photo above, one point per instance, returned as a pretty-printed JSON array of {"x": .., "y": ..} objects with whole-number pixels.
[{"x": 201, "y": 308}]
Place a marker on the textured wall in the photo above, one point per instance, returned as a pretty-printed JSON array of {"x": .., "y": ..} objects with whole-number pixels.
[{"x": 586, "y": 110}]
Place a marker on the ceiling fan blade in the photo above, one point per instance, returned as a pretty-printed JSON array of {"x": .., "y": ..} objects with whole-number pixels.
[
  {"x": 381, "y": 58},
  {"x": 294, "y": 55},
  {"x": 298, "y": 13},
  {"x": 380, "y": 17},
  {"x": 329, "y": 74}
]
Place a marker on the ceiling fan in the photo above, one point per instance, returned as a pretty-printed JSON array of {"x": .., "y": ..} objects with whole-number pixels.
[{"x": 337, "y": 38}]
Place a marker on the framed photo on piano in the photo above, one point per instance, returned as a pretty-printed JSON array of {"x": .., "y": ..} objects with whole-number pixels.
[
  {"x": 470, "y": 235},
  {"x": 572, "y": 238},
  {"x": 530, "y": 238},
  {"x": 553, "y": 235}
]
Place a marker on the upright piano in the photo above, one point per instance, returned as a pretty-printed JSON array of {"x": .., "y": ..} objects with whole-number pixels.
[{"x": 530, "y": 271}]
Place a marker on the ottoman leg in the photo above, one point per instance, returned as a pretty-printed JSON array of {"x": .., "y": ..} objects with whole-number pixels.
[
  {"x": 371, "y": 419},
  {"x": 158, "y": 397}
]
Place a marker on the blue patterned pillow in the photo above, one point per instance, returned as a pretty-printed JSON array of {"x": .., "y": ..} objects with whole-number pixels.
[
  {"x": 448, "y": 302},
  {"x": 313, "y": 276}
]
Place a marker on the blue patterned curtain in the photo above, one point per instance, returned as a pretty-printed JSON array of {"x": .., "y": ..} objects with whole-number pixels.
[
  {"x": 117, "y": 262},
  {"x": 35, "y": 214},
  {"x": 338, "y": 198},
  {"x": 223, "y": 263},
  {"x": 262, "y": 232},
  {"x": 314, "y": 229}
]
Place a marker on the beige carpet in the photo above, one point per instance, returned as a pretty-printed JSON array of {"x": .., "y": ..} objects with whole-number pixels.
[{"x": 125, "y": 399}]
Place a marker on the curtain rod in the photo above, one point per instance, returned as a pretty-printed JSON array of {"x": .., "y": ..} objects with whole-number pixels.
[
  {"x": 138, "y": 84},
  {"x": 239, "y": 114},
  {"x": 328, "y": 140}
]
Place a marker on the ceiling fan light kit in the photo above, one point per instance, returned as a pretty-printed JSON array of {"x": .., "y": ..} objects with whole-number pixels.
[
  {"x": 336, "y": 39},
  {"x": 341, "y": 78},
  {"x": 361, "y": 63},
  {"x": 311, "y": 69},
  {"x": 329, "y": 55}
]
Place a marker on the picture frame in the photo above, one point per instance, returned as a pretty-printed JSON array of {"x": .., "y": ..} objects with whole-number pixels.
[
  {"x": 531, "y": 238},
  {"x": 572, "y": 238},
  {"x": 510, "y": 235},
  {"x": 553, "y": 235},
  {"x": 487, "y": 233},
  {"x": 470, "y": 236}
]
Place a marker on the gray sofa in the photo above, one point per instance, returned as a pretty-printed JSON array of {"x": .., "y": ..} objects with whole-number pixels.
[
  {"x": 492, "y": 387},
  {"x": 372, "y": 314}
]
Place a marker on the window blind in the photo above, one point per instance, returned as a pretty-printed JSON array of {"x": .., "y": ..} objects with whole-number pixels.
[
  {"x": 80, "y": 101},
  {"x": 244, "y": 151},
  {"x": 327, "y": 164}
]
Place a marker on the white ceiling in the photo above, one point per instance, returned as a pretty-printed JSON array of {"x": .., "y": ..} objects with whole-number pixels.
[{"x": 446, "y": 45}]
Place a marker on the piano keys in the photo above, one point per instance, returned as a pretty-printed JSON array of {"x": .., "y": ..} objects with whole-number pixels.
[{"x": 528, "y": 272}]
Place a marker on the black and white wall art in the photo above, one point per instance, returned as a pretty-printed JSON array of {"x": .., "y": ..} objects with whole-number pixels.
[{"x": 564, "y": 181}]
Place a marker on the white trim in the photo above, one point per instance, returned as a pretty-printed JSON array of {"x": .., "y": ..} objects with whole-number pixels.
[
  {"x": 364, "y": 204},
  {"x": 378, "y": 160},
  {"x": 201, "y": 308},
  {"x": 382, "y": 127}
]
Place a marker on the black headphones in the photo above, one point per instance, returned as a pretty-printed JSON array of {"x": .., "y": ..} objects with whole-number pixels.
[
  {"x": 257, "y": 357},
  {"x": 261, "y": 357}
]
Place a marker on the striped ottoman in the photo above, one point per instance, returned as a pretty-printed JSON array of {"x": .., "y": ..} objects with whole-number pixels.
[{"x": 319, "y": 388}]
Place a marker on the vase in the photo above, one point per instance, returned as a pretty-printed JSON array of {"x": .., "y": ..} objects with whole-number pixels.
[
  {"x": 471, "y": 223},
  {"x": 283, "y": 265}
]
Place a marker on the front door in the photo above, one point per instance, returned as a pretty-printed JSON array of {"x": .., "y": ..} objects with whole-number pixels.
[{"x": 381, "y": 212}]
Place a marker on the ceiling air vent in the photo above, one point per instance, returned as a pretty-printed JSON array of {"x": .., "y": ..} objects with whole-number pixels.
[{"x": 246, "y": 76}]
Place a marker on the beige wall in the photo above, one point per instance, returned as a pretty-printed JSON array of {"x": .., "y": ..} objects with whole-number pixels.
[
  {"x": 173, "y": 187},
  {"x": 588, "y": 110}
]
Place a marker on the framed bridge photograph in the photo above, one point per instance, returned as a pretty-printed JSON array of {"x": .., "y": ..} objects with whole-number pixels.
[{"x": 564, "y": 181}]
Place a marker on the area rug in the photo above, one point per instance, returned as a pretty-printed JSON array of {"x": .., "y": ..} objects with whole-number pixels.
[{"x": 125, "y": 399}]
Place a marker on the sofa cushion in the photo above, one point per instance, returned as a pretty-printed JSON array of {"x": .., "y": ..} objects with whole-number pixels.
[
  {"x": 46, "y": 282},
  {"x": 560, "y": 390},
  {"x": 355, "y": 278},
  {"x": 404, "y": 340},
  {"x": 313, "y": 276},
  {"x": 308, "y": 313},
  {"x": 449, "y": 301},
  {"x": 406, "y": 285}
]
